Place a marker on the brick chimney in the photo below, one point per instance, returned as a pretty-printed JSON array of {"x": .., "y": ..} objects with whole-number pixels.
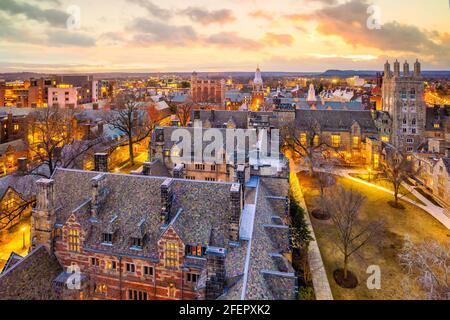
[
  {"x": 100, "y": 127},
  {"x": 43, "y": 215},
  {"x": 236, "y": 210},
  {"x": 216, "y": 273},
  {"x": 101, "y": 162},
  {"x": 166, "y": 201},
  {"x": 22, "y": 166}
]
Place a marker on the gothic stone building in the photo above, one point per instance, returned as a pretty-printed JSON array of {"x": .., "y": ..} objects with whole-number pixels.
[
  {"x": 137, "y": 237},
  {"x": 403, "y": 100}
]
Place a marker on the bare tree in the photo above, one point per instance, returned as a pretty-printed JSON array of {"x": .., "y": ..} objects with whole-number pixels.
[
  {"x": 183, "y": 113},
  {"x": 397, "y": 169},
  {"x": 345, "y": 205},
  {"x": 135, "y": 122},
  {"x": 307, "y": 143},
  {"x": 53, "y": 130},
  {"x": 428, "y": 264}
]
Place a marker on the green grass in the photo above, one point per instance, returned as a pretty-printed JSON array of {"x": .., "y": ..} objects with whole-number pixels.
[{"x": 414, "y": 222}]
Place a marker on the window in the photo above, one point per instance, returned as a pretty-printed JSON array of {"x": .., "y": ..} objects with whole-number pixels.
[
  {"x": 190, "y": 178},
  {"x": 437, "y": 125},
  {"x": 9, "y": 204},
  {"x": 414, "y": 122},
  {"x": 409, "y": 149},
  {"x": 95, "y": 262},
  {"x": 111, "y": 265},
  {"x": 136, "y": 243},
  {"x": 412, "y": 94},
  {"x": 316, "y": 140},
  {"x": 196, "y": 251},
  {"x": 171, "y": 255},
  {"x": 16, "y": 127},
  {"x": 107, "y": 238},
  {"x": 74, "y": 240},
  {"x": 137, "y": 295},
  {"x": 356, "y": 141},
  {"x": 336, "y": 140},
  {"x": 211, "y": 179},
  {"x": 409, "y": 140},
  {"x": 385, "y": 138},
  {"x": 403, "y": 94},
  {"x": 200, "y": 167},
  {"x": 148, "y": 271},
  {"x": 171, "y": 291},
  {"x": 100, "y": 288},
  {"x": 130, "y": 267},
  {"x": 192, "y": 277},
  {"x": 213, "y": 167},
  {"x": 303, "y": 139}
]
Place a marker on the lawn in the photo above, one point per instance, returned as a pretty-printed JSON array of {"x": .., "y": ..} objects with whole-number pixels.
[{"x": 412, "y": 222}]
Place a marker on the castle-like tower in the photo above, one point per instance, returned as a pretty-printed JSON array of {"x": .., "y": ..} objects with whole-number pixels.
[
  {"x": 403, "y": 100},
  {"x": 258, "y": 91},
  {"x": 207, "y": 90}
]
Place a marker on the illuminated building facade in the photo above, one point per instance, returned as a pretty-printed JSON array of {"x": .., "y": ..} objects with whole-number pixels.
[{"x": 207, "y": 90}]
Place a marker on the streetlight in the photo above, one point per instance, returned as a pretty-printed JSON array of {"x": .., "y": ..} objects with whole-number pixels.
[{"x": 23, "y": 237}]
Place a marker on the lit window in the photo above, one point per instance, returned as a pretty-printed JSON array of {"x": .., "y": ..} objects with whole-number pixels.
[
  {"x": 437, "y": 125},
  {"x": 16, "y": 127},
  {"x": 356, "y": 141},
  {"x": 303, "y": 139},
  {"x": 9, "y": 204},
  {"x": 111, "y": 265},
  {"x": 171, "y": 255},
  {"x": 171, "y": 291},
  {"x": 316, "y": 140},
  {"x": 385, "y": 138},
  {"x": 335, "y": 140},
  {"x": 74, "y": 240},
  {"x": 196, "y": 251},
  {"x": 100, "y": 288}
]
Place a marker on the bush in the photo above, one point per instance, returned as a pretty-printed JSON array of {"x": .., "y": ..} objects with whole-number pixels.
[
  {"x": 306, "y": 293},
  {"x": 301, "y": 235}
]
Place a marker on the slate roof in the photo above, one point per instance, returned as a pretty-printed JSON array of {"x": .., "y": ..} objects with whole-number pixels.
[
  {"x": 134, "y": 201},
  {"x": 31, "y": 278},
  {"x": 13, "y": 259},
  {"x": 18, "y": 146},
  {"x": 220, "y": 118},
  {"x": 336, "y": 120},
  {"x": 25, "y": 185}
]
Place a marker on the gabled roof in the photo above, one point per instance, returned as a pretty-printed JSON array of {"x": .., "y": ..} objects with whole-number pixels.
[{"x": 13, "y": 259}]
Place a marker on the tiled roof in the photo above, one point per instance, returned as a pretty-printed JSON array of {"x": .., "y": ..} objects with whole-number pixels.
[{"x": 220, "y": 118}]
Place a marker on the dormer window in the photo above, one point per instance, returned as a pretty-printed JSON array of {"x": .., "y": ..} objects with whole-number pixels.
[
  {"x": 136, "y": 243},
  {"x": 107, "y": 238}
]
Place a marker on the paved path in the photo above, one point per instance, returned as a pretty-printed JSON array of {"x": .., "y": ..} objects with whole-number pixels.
[{"x": 437, "y": 212}]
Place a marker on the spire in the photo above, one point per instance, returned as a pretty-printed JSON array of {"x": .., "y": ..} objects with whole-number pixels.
[
  {"x": 417, "y": 69},
  {"x": 258, "y": 81},
  {"x": 406, "y": 69},
  {"x": 396, "y": 69},
  {"x": 387, "y": 69},
  {"x": 311, "y": 94}
]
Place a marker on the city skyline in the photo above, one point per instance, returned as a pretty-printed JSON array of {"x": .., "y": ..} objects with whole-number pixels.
[{"x": 146, "y": 36}]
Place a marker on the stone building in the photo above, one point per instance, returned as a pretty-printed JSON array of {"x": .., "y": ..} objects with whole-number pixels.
[
  {"x": 135, "y": 237},
  {"x": 207, "y": 90},
  {"x": 403, "y": 100}
]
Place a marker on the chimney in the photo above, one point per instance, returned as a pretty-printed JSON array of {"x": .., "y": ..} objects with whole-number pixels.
[
  {"x": 22, "y": 166},
  {"x": 98, "y": 194},
  {"x": 147, "y": 169},
  {"x": 216, "y": 273},
  {"x": 43, "y": 215},
  {"x": 396, "y": 69},
  {"x": 178, "y": 171},
  {"x": 236, "y": 210},
  {"x": 101, "y": 162},
  {"x": 166, "y": 201},
  {"x": 417, "y": 69},
  {"x": 100, "y": 126},
  {"x": 406, "y": 69}
]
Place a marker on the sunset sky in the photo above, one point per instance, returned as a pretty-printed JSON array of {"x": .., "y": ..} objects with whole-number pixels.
[{"x": 226, "y": 35}]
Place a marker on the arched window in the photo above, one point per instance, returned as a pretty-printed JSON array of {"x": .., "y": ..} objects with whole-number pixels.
[{"x": 412, "y": 94}]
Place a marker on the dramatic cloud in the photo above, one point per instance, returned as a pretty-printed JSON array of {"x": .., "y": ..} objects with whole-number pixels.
[
  {"x": 206, "y": 17},
  {"x": 232, "y": 40},
  {"x": 349, "y": 21}
]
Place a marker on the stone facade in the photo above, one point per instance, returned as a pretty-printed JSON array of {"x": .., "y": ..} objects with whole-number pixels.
[{"x": 403, "y": 100}]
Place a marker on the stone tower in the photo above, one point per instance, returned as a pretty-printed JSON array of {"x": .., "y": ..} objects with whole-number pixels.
[
  {"x": 258, "y": 91},
  {"x": 43, "y": 215},
  {"x": 403, "y": 100}
]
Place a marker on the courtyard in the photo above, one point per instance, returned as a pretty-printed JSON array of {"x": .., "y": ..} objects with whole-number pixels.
[{"x": 412, "y": 222}]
